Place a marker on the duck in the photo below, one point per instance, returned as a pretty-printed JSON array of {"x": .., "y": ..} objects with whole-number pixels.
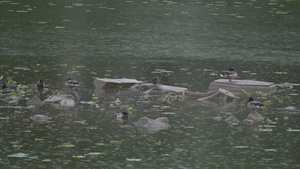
[
  {"x": 230, "y": 73},
  {"x": 254, "y": 104},
  {"x": 71, "y": 83},
  {"x": 40, "y": 85},
  {"x": 155, "y": 81},
  {"x": 123, "y": 115},
  {"x": 11, "y": 85}
]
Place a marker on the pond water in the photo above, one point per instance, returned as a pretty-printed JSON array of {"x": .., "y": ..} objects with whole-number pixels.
[{"x": 192, "y": 40}]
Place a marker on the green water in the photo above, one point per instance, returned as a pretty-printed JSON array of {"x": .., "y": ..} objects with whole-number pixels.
[{"x": 55, "y": 40}]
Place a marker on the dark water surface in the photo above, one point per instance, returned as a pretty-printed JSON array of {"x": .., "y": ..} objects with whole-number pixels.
[{"x": 54, "y": 40}]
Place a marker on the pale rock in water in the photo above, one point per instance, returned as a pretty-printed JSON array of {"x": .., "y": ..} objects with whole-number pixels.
[
  {"x": 255, "y": 117},
  {"x": 149, "y": 125},
  {"x": 232, "y": 119},
  {"x": 218, "y": 118}
]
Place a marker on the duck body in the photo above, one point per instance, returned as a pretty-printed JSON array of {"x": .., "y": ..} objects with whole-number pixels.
[
  {"x": 40, "y": 85},
  {"x": 230, "y": 73},
  {"x": 71, "y": 83},
  {"x": 11, "y": 85},
  {"x": 155, "y": 80},
  {"x": 123, "y": 116},
  {"x": 254, "y": 105}
]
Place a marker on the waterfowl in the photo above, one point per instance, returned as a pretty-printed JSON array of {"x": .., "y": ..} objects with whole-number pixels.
[
  {"x": 123, "y": 115},
  {"x": 71, "y": 83},
  {"x": 40, "y": 85},
  {"x": 230, "y": 73},
  {"x": 117, "y": 102},
  {"x": 254, "y": 104},
  {"x": 155, "y": 80},
  {"x": 11, "y": 85}
]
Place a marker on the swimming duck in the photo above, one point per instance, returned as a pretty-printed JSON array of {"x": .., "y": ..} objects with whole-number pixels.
[
  {"x": 123, "y": 115},
  {"x": 155, "y": 80},
  {"x": 230, "y": 73},
  {"x": 11, "y": 85},
  {"x": 40, "y": 85},
  {"x": 254, "y": 104},
  {"x": 71, "y": 83}
]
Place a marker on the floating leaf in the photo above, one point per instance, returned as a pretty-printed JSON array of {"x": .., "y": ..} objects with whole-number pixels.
[
  {"x": 168, "y": 113},
  {"x": 95, "y": 98},
  {"x": 133, "y": 159},
  {"x": 93, "y": 154},
  {"x": 179, "y": 149},
  {"x": 4, "y": 118},
  {"x": 270, "y": 150},
  {"x": 165, "y": 155},
  {"x": 158, "y": 143},
  {"x": 241, "y": 147},
  {"x": 246, "y": 93},
  {"x": 115, "y": 142},
  {"x": 18, "y": 155},
  {"x": 130, "y": 108},
  {"x": 267, "y": 126},
  {"x": 99, "y": 144},
  {"x": 80, "y": 66},
  {"x": 78, "y": 156},
  {"x": 67, "y": 145},
  {"x": 81, "y": 122},
  {"x": 11, "y": 82},
  {"x": 1, "y": 77},
  {"x": 262, "y": 129},
  {"x": 291, "y": 130}
]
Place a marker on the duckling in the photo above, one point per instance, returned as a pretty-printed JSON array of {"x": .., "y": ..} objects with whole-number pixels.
[
  {"x": 155, "y": 81},
  {"x": 254, "y": 104},
  {"x": 230, "y": 73},
  {"x": 123, "y": 116},
  {"x": 71, "y": 83},
  {"x": 40, "y": 85},
  {"x": 11, "y": 85}
]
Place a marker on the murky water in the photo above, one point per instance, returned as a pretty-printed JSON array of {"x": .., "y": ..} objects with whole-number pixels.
[{"x": 116, "y": 39}]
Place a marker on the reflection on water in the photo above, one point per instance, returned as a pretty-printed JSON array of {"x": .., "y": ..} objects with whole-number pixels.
[{"x": 191, "y": 40}]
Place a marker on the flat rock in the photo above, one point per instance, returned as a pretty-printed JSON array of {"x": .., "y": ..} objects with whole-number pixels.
[
  {"x": 232, "y": 119},
  {"x": 255, "y": 117},
  {"x": 247, "y": 85}
]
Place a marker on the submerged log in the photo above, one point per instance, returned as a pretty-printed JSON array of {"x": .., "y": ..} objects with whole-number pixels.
[
  {"x": 103, "y": 83},
  {"x": 246, "y": 85}
]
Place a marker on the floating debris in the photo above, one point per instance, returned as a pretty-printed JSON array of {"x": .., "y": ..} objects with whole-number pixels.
[
  {"x": 67, "y": 145},
  {"x": 270, "y": 150},
  {"x": 133, "y": 159},
  {"x": 18, "y": 155},
  {"x": 241, "y": 147}
]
